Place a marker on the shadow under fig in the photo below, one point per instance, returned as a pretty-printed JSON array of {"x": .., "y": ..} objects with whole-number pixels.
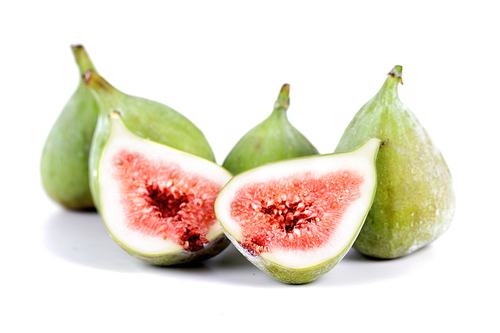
[
  {"x": 82, "y": 238},
  {"x": 228, "y": 267},
  {"x": 357, "y": 268}
]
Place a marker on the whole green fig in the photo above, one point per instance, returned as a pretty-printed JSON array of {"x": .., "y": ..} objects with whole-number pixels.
[
  {"x": 64, "y": 162},
  {"x": 272, "y": 140},
  {"x": 415, "y": 200}
]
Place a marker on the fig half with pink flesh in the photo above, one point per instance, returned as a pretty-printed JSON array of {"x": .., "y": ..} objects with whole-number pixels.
[
  {"x": 158, "y": 202},
  {"x": 296, "y": 219}
]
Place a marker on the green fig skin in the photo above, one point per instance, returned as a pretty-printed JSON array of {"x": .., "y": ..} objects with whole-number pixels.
[
  {"x": 272, "y": 140},
  {"x": 146, "y": 118},
  {"x": 415, "y": 200},
  {"x": 64, "y": 161}
]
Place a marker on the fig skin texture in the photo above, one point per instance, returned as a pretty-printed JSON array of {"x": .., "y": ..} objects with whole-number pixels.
[
  {"x": 272, "y": 140},
  {"x": 64, "y": 162},
  {"x": 159, "y": 233},
  {"x": 146, "y": 118},
  {"x": 415, "y": 200},
  {"x": 296, "y": 219}
]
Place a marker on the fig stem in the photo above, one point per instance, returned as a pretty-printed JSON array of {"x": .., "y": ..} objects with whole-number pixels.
[
  {"x": 389, "y": 91},
  {"x": 82, "y": 59},
  {"x": 283, "y": 100},
  {"x": 397, "y": 72}
]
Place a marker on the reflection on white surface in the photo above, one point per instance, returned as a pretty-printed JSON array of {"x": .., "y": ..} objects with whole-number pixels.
[{"x": 81, "y": 238}]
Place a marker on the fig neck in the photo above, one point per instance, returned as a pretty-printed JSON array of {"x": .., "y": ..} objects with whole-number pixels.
[
  {"x": 82, "y": 59},
  {"x": 283, "y": 100},
  {"x": 389, "y": 91},
  {"x": 106, "y": 95}
]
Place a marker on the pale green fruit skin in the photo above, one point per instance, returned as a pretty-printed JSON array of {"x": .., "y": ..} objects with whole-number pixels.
[
  {"x": 64, "y": 161},
  {"x": 146, "y": 118},
  {"x": 415, "y": 200},
  {"x": 274, "y": 139}
]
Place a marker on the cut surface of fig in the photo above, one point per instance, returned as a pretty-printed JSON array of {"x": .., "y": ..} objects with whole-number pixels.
[
  {"x": 158, "y": 202},
  {"x": 296, "y": 219}
]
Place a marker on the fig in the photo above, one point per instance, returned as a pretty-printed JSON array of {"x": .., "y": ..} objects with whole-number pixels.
[
  {"x": 64, "y": 161},
  {"x": 296, "y": 219},
  {"x": 146, "y": 118},
  {"x": 415, "y": 200},
  {"x": 157, "y": 202},
  {"x": 272, "y": 140}
]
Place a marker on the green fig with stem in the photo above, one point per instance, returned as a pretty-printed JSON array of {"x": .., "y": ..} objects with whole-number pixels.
[
  {"x": 272, "y": 140},
  {"x": 415, "y": 200},
  {"x": 64, "y": 161},
  {"x": 146, "y": 118}
]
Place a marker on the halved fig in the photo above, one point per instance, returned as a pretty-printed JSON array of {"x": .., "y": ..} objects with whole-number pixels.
[
  {"x": 158, "y": 202},
  {"x": 296, "y": 219}
]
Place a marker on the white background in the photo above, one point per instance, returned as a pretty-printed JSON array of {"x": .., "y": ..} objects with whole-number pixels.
[{"x": 222, "y": 63}]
